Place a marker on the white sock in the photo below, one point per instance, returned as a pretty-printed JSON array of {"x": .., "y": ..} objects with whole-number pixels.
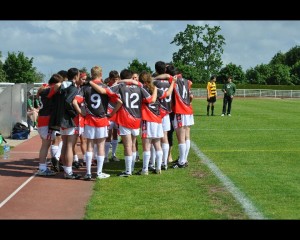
[
  {"x": 89, "y": 156},
  {"x": 182, "y": 149},
  {"x": 188, "y": 146},
  {"x": 146, "y": 159},
  {"x": 114, "y": 144},
  {"x": 128, "y": 162},
  {"x": 153, "y": 154},
  {"x": 75, "y": 158},
  {"x": 53, "y": 150},
  {"x": 100, "y": 161},
  {"x": 68, "y": 170},
  {"x": 159, "y": 155},
  {"x": 42, "y": 166},
  {"x": 165, "y": 148}
]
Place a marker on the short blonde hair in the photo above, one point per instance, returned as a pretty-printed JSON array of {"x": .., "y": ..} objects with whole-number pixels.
[{"x": 96, "y": 72}]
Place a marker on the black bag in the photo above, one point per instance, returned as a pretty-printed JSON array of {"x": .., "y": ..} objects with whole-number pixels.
[
  {"x": 19, "y": 127},
  {"x": 20, "y": 131}
]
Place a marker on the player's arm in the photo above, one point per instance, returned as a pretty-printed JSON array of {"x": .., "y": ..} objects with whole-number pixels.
[
  {"x": 76, "y": 106},
  {"x": 170, "y": 89},
  {"x": 117, "y": 107},
  {"x": 154, "y": 95},
  {"x": 98, "y": 88},
  {"x": 130, "y": 81}
]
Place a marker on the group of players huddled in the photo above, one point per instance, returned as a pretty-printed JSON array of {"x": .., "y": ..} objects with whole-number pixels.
[{"x": 98, "y": 111}]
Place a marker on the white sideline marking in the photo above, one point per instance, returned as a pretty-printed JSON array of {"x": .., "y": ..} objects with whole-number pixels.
[
  {"x": 248, "y": 206},
  {"x": 16, "y": 191}
]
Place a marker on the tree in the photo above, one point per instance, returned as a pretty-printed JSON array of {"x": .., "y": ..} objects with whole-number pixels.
[
  {"x": 18, "y": 68},
  {"x": 292, "y": 56},
  {"x": 2, "y": 73},
  {"x": 39, "y": 77},
  {"x": 280, "y": 75},
  {"x": 137, "y": 67},
  {"x": 253, "y": 76},
  {"x": 201, "y": 48},
  {"x": 263, "y": 74},
  {"x": 279, "y": 58},
  {"x": 188, "y": 71},
  {"x": 233, "y": 70},
  {"x": 295, "y": 73}
]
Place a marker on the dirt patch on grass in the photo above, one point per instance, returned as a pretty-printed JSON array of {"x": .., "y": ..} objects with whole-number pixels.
[{"x": 199, "y": 174}]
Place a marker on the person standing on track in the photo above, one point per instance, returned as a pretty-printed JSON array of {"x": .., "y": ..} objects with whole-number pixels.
[{"x": 45, "y": 94}]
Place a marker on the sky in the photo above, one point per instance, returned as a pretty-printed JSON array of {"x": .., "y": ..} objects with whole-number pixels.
[{"x": 60, "y": 45}]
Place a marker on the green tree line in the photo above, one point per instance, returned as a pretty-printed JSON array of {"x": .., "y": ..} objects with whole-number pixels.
[{"x": 199, "y": 56}]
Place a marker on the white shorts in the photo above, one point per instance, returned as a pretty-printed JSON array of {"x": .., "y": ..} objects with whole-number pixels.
[
  {"x": 152, "y": 130},
  {"x": 46, "y": 133},
  {"x": 69, "y": 131},
  {"x": 94, "y": 132},
  {"x": 127, "y": 131},
  {"x": 181, "y": 120},
  {"x": 113, "y": 125},
  {"x": 166, "y": 124},
  {"x": 81, "y": 130}
]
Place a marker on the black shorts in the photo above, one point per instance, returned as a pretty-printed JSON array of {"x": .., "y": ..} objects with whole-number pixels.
[{"x": 212, "y": 99}]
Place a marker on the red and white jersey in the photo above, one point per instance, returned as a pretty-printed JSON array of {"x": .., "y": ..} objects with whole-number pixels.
[
  {"x": 95, "y": 105},
  {"x": 181, "y": 102},
  {"x": 132, "y": 96},
  {"x": 151, "y": 111},
  {"x": 166, "y": 102},
  {"x": 45, "y": 111}
]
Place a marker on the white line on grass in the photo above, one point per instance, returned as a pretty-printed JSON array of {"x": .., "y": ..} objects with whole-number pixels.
[
  {"x": 16, "y": 191},
  {"x": 254, "y": 150},
  {"x": 248, "y": 206},
  {"x": 248, "y": 129}
]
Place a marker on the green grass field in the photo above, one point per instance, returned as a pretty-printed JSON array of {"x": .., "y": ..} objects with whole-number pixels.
[{"x": 257, "y": 149}]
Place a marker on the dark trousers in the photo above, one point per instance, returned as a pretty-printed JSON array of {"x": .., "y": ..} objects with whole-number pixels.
[{"x": 227, "y": 100}]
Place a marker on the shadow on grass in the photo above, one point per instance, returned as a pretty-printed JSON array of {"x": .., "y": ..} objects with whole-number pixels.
[{"x": 115, "y": 168}]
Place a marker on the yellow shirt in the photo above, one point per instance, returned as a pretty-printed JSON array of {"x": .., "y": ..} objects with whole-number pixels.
[{"x": 211, "y": 89}]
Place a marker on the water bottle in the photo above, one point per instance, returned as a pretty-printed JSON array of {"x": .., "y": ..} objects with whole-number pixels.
[{"x": 6, "y": 150}]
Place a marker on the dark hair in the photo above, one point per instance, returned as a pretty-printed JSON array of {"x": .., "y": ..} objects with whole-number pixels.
[
  {"x": 171, "y": 70},
  {"x": 72, "y": 72},
  {"x": 56, "y": 78},
  {"x": 114, "y": 74},
  {"x": 63, "y": 73},
  {"x": 126, "y": 74},
  {"x": 213, "y": 77},
  {"x": 160, "y": 67}
]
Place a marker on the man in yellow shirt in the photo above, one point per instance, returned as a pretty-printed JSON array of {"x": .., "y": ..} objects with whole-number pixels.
[{"x": 211, "y": 94}]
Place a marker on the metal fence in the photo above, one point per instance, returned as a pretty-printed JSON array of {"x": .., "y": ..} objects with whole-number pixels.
[{"x": 201, "y": 92}]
